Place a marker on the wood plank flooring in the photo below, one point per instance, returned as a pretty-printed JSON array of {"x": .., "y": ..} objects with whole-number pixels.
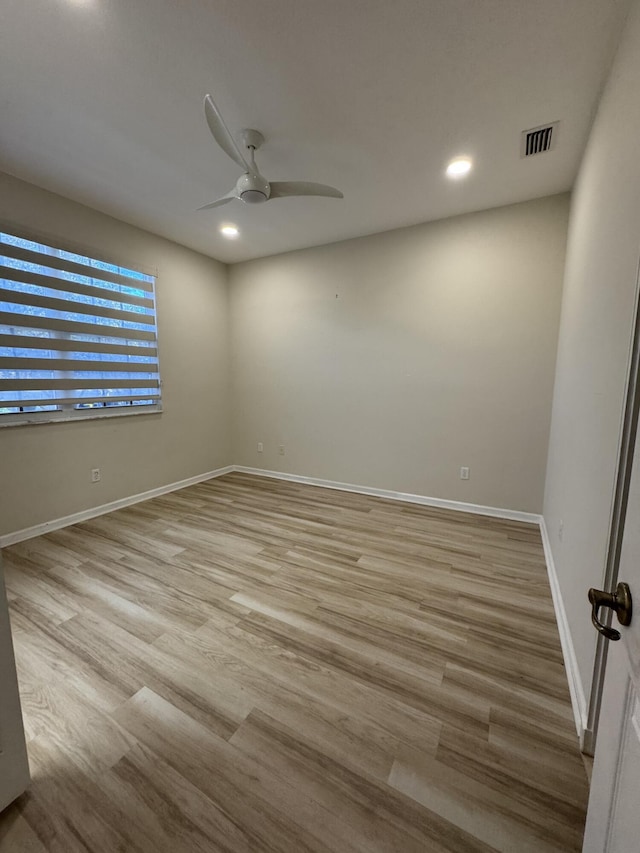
[{"x": 252, "y": 665}]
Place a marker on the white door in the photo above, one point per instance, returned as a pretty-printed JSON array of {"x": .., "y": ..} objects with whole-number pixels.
[
  {"x": 613, "y": 819},
  {"x": 14, "y": 769}
]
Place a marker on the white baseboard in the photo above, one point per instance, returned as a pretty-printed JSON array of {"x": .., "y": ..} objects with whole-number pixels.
[
  {"x": 93, "y": 512},
  {"x": 476, "y": 509},
  {"x": 47, "y": 526},
  {"x": 576, "y": 690}
]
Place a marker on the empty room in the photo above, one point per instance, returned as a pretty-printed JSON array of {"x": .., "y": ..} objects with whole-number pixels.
[{"x": 319, "y": 395}]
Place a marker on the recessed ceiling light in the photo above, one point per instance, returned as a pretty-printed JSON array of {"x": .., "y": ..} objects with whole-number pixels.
[
  {"x": 459, "y": 167},
  {"x": 229, "y": 231}
]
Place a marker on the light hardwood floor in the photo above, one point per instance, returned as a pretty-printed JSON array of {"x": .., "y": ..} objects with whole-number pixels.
[{"x": 251, "y": 665}]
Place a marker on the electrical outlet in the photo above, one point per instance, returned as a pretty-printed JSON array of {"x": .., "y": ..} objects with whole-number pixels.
[
  {"x": 464, "y": 473},
  {"x": 281, "y": 450},
  {"x": 96, "y": 476},
  {"x": 260, "y": 447}
]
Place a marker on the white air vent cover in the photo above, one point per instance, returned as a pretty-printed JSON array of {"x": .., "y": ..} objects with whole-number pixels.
[{"x": 537, "y": 140}]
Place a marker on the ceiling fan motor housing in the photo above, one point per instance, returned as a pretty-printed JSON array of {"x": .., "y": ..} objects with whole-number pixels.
[{"x": 253, "y": 188}]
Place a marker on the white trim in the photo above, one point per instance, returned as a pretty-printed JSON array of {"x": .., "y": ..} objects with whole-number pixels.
[
  {"x": 576, "y": 689},
  {"x": 85, "y": 514},
  {"x": 476, "y": 509}
]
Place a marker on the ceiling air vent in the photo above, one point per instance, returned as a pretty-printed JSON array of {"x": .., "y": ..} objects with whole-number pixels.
[{"x": 539, "y": 139}]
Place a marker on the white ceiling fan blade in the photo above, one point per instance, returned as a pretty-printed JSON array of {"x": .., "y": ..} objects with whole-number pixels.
[
  {"x": 282, "y": 189},
  {"x": 221, "y": 133},
  {"x": 225, "y": 199}
]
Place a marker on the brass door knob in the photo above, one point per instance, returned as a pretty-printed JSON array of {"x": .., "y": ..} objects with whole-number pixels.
[{"x": 619, "y": 601}]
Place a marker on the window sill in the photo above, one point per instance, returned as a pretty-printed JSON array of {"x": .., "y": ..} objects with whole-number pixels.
[{"x": 36, "y": 418}]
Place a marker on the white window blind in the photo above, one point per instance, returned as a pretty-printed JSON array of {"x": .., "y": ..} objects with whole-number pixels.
[{"x": 78, "y": 336}]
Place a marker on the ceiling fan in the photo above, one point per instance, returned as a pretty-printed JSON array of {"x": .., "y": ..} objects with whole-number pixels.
[{"x": 251, "y": 187}]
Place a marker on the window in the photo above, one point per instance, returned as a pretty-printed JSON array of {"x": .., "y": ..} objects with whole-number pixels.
[{"x": 78, "y": 336}]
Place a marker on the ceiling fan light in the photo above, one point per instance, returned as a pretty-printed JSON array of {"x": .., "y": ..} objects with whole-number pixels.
[{"x": 253, "y": 196}]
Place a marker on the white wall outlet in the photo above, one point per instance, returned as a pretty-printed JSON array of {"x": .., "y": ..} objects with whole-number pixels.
[
  {"x": 96, "y": 476},
  {"x": 464, "y": 473},
  {"x": 260, "y": 447},
  {"x": 281, "y": 449}
]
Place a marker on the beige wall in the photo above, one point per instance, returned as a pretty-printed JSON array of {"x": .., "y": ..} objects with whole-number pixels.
[
  {"x": 45, "y": 469},
  {"x": 390, "y": 361},
  {"x": 594, "y": 345}
]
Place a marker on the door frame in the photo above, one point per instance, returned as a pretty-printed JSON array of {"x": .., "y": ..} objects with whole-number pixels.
[
  {"x": 627, "y": 443},
  {"x": 13, "y": 751}
]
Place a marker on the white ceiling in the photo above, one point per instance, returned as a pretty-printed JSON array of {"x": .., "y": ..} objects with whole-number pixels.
[{"x": 101, "y": 101}]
